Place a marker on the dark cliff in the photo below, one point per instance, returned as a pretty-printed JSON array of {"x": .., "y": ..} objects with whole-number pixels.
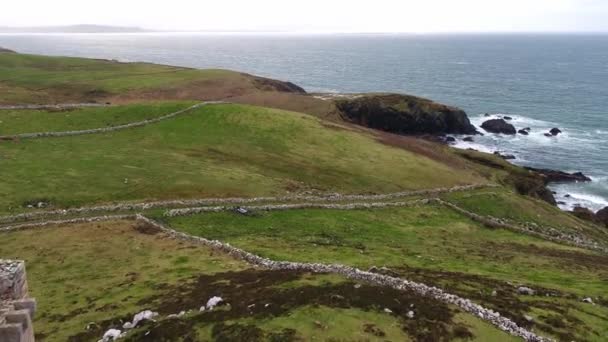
[{"x": 404, "y": 114}]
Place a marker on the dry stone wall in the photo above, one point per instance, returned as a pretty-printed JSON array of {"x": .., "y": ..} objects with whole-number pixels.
[
  {"x": 467, "y": 305},
  {"x": 234, "y": 201},
  {"x": 16, "y": 308},
  {"x": 56, "y": 106},
  {"x": 105, "y": 129}
]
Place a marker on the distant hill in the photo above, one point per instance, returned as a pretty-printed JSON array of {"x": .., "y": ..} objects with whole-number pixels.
[{"x": 72, "y": 29}]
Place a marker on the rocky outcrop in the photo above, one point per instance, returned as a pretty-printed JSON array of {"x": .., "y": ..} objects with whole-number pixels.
[
  {"x": 555, "y": 131},
  {"x": 498, "y": 126},
  {"x": 404, "y": 114},
  {"x": 553, "y": 176},
  {"x": 584, "y": 214},
  {"x": 268, "y": 84},
  {"x": 602, "y": 216}
]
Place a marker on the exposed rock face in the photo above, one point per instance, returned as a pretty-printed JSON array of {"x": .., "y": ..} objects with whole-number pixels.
[
  {"x": 3, "y": 50},
  {"x": 498, "y": 126},
  {"x": 602, "y": 216},
  {"x": 552, "y": 176},
  {"x": 268, "y": 84},
  {"x": 584, "y": 213},
  {"x": 404, "y": 114}
]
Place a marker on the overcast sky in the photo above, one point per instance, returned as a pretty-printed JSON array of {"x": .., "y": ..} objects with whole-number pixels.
[{"x": 317, "y": 15}]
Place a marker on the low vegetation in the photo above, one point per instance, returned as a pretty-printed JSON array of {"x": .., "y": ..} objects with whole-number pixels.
[
  {"x": 92, "y": 277},
  {"x": 436, "y": 246},
  {"x": 214, "y": 151}
]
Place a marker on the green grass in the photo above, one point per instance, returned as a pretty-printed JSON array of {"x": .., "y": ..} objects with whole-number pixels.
[
  {"x": 41, "y": 79},
  {"x": 221, "y": 150},
  {"x": 96, "y": 272},
  {"x": 422, "y": 242},
  {"x": 429, "y": 237},
  {"x": 502, "y": 203},
  {"x": 29, "y": 121}
]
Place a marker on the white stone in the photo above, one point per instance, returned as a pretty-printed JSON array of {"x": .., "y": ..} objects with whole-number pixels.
[
  {"x": 410, "y": 314},
  {"x": 213, "y": 302},
  {"x": 111, "y": 335}
]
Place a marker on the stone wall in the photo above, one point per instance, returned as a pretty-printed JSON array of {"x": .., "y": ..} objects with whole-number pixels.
[
  {"x": 103, "y": 129},
  {"x": 130, "y": 206},
  {"x": 16, "y": 308},
  {"x": 353, "y": 273}
]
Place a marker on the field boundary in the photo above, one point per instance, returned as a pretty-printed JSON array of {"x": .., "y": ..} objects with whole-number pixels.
[
  {"x": 55, "y": 106},
  {"x": 353, "y": 273},
  {"x": 137, "y": 206},
  {"x": 106, "y": 129}
]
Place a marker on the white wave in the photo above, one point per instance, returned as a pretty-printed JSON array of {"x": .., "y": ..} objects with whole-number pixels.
[
  {"x": 585, "y": 200},
  {"x": 465, "y": 145}
]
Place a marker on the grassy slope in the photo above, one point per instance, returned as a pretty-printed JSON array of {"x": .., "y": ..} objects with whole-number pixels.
[
  {"x": 104, "y": 272},
  {"x": 28, "y": 121},
  {"x": 423, "y": 243},
  {"x": 224, "y": 150},
  {"x": 42, "y": 79},
  {"x": 90, "y": 273}
]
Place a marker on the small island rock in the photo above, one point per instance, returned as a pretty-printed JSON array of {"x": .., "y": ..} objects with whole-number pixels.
[{"x": 498, "y": 126}]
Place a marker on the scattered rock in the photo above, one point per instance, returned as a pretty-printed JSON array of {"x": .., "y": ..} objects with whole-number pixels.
[
  {"x": 494, "y": 293},
  {"x": 555, "y": 131},
  {"x": 486, "y": 115},
  {"x": 527, "y": 129},
  {"x": 91, "y": 326},
  {"x": 523, "y": 132},
  {"x": 213, "y": 302},
  {"x": 450, "y": 139},
  {"x": 357, "y": 286},
  {"x": 387, "y": 310},
  {"x": 561, "y": 203},
  {"x": 383, "y": 270},
  {"x": 469, "y": 139},
  {"x": 567, "y": 195},
  {"x": 498, "y": 126},
  {"x": 529, "y": 318},
  {"x": 410, "y": 314},
  {"x": 111, "y": 335},
  {"x": 525, "y": 291},
  {"x": 548, "y": 135},
  {"x": 587, "y": 300},
  {"x": 507, "y": 118}
]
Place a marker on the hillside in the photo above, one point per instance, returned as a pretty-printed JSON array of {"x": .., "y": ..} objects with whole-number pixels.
[{"x": 132, "y": 187}]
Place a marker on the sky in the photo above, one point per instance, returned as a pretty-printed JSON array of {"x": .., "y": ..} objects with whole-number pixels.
[{"x": 417, "y": 16}]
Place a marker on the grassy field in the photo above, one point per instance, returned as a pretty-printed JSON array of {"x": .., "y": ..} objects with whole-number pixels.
[
  {"x": 436, "y": 246},
  {"x": 98, "y": 274},
  {"x": 54, "y": 120},
  {"x": 26, "y": 79},
  {"x": 220, "y": 150},
  {"x": 106, "y": 272}
]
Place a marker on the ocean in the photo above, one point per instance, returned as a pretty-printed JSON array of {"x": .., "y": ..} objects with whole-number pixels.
[{"x": 542, "y": 81}]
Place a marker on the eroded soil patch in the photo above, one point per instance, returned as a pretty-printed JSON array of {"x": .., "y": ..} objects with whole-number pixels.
[{"x": 262, "y": 294}]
